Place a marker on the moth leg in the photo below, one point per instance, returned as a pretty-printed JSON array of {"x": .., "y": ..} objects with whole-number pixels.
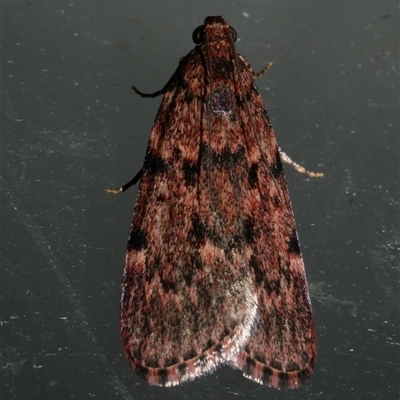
[
  {"x": 285, "y": 158},
  {"x": 152, "y": 95},
  {"x": 263, "y": 71},
  {"x": 132, "y": 182},
  {"x": 136, "y": 178},
  {"x": 168, "y": 85}
]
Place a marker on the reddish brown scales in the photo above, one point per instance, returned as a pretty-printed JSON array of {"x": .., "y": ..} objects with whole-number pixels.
[{"x": 213, "y": 270}]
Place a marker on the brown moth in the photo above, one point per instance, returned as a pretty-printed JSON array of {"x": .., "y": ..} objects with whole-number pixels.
[{"x": 213, "y": 272}]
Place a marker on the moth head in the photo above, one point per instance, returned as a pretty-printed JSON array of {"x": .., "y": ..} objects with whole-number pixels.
[{"x": 210, "y": 23}]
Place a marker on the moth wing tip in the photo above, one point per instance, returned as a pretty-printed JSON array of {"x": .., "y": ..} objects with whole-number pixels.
[{"x": 272, "y": 377}]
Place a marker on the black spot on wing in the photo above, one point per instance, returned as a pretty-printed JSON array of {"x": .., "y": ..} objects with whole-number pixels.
[
  {"x": 258, "y": 274},
  {"x": 294, "y": 245},
  {"x": 253, "y": 175},
  {"x": 137, "y": 239},
  {"x": 168, "y": 285},
  {"x": 276, "y": 365},
  {"x": 190, "y": 173},
  {"x": 260, "y": 357},
  {"x": 277, "y": 201},
  {"x": 176, "y": 153},
  {"x": 210, "y": 343},
  {"x": 227, "y": 158},
  {"x": 182, "y": 368},
  {"x": 276, "y": 168},
  {"x": 249, "y": 365},
  {"x": 239, "y": 100},
  {"x": 143, "y": 372},
  {"x": 272, "y": 286},
  {"x": 202, "y": 358},
  {"x": 224, "y": 159},
  {"x": 267, "y": 373},
  {"x": 162, "y": 375},
  {"x": 283, "y": 380},
  {"x": 218, "y": 348},
  {"x": 198, "y": 232},
  {"x": 154, "y": 164},
  {"x": 261, "y": 279},
  {"x": 188, "y": 96},
  {"x": 248, "y": 230}
]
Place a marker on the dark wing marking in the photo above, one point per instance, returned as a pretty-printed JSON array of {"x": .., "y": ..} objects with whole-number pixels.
[
  {"x": 186, "y": 304},
  {"x": 282, "y": 350}
]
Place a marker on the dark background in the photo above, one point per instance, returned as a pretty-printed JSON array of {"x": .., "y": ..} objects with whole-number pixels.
[{"x": 71, "y": 127}]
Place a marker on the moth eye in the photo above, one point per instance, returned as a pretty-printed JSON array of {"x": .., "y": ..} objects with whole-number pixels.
[
  {"x": 198, "y": 34},
  {"x": 233, "y": 34}
]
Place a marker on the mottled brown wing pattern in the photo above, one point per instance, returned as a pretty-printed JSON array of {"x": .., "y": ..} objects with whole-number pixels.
[
  {"x": 213, "y": 270},
  {"x": 282, "y": 350},
  {"x": 188, "y": 302}
]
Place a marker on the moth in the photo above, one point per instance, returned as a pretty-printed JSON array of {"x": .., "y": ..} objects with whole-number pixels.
[{"x": 213, "y": 269}]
